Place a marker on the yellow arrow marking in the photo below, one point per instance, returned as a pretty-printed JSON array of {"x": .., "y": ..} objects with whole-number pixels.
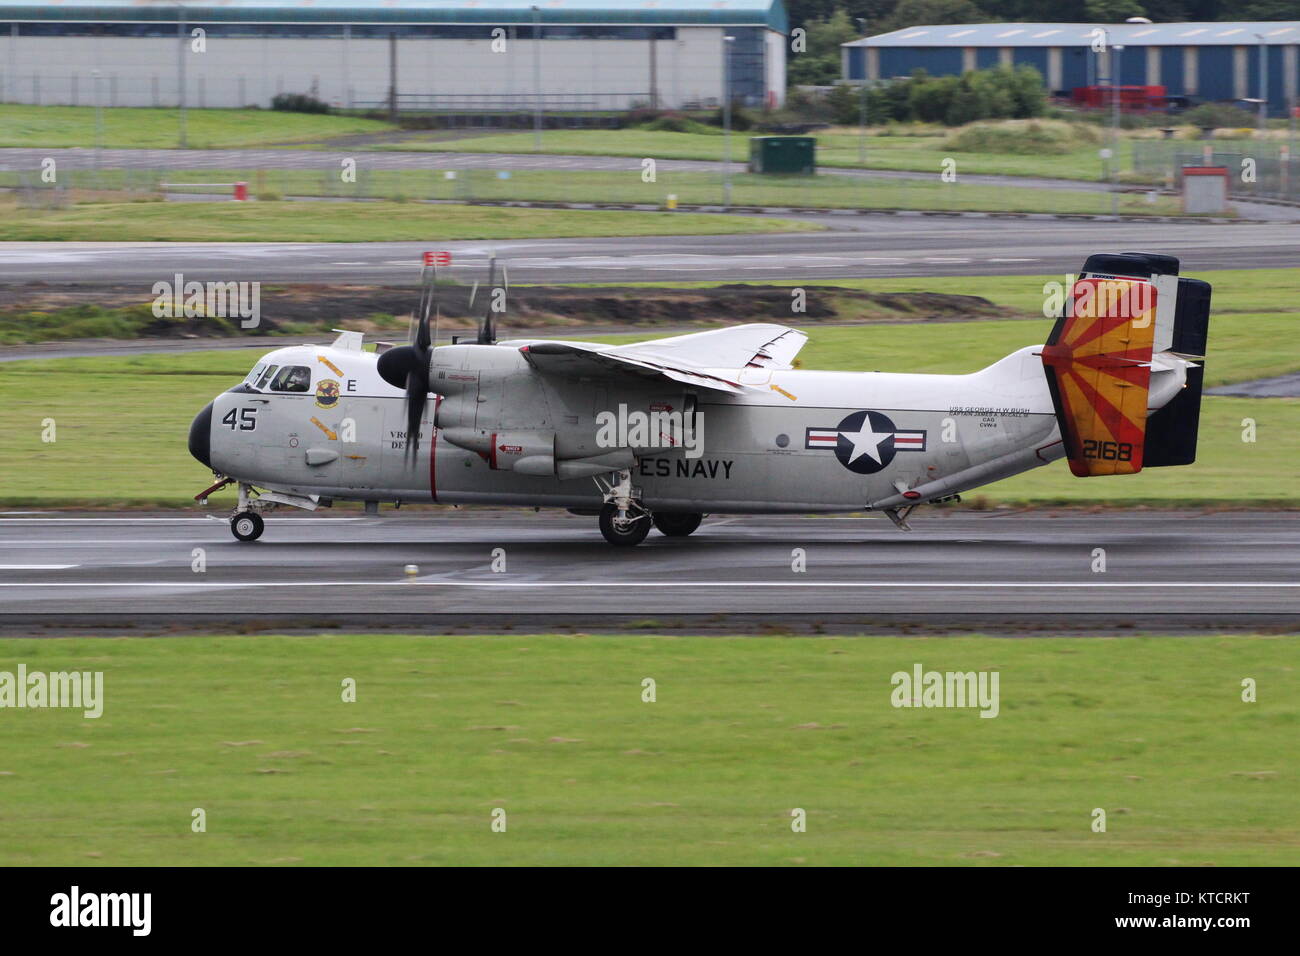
[
  {"x": 334, "y": 368},
  {"x": 325, "y": 428},
  {"x": 778, "y": 388}
]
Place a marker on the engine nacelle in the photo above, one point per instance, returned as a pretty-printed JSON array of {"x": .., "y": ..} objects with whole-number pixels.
[{"x": 527, "y": 452}]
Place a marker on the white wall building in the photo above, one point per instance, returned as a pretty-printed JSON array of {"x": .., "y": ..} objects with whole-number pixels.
[{"x": 462, "y": 55}]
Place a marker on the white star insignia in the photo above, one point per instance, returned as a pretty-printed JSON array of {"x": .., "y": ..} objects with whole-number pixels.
[{"x": 866, "y": 442}]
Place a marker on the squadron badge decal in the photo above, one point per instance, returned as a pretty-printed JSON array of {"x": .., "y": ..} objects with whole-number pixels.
[
  {"x": 865, "y": 442},
  {"x": 327, "y": 393}
]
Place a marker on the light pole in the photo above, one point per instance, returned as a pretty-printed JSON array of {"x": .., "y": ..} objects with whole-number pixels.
[
  {"x": 862, "y": 99},
  {"x": 1115, "y": 74},
  {"x": 99, "y": 124},
  {"x": 1263, "y": 84},
  {"x": 727, "y": 41},
  {"x": 180, "y": 65},
  {"x": 537, "y": 79}
]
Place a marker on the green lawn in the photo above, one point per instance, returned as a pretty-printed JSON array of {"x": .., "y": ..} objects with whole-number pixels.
[
  {"x": 552, "y": 730},
  {"x": 918, "y": 153},
  {"x": 354, "y": 222},
  {"x": 132, "y": 450},
  {"x": 826, "y": 191},
  {"x": 142, "y": 128}
]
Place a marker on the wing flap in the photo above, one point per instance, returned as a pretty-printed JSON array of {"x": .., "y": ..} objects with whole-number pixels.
[
  {"x": 584, "y": 360},
  {"x": 703, "y": 359}
]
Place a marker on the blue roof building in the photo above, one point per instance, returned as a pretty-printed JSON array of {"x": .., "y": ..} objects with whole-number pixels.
[{"x": 1205, "y": 61}]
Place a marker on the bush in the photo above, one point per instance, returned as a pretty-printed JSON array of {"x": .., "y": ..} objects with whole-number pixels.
[
  {"x": 298, "y": 103},
  {"x": 997, "y": 93},
  {"x": 676, "y": 123},
  {"x": 1023, "y": 137},
  {"x": 1219, "y": 115},
  {"x": 741, "y": 118}
]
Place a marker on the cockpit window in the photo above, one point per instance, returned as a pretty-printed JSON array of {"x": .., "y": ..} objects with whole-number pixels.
[
  {"x": 292, "y": 378},
  {"x": 251, "y": 377},
  {"x": 266, "y": 376}
]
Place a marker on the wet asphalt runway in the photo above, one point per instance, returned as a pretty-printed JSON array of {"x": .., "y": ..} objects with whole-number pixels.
[
  {"x": 995, "y": 571},
  {"x": 853, "y": 246}
]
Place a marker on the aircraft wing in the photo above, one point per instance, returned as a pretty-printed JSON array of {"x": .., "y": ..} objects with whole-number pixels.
[{"x": 712, "y": 359}]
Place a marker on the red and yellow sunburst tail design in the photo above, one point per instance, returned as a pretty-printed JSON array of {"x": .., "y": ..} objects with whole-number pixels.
[{"x": 1098, "y": 363}]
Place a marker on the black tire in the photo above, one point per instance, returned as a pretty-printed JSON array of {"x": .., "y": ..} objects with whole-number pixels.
[
  {"x": 627, "y": 537},
  {"x": 247, "y": 526},
  {"x": 677, "y": 524}
]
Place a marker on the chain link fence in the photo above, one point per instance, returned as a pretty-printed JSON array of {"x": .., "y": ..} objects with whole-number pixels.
[
  {"x": 1256, "y": 169},
  {"x": 637, "y": 185}
]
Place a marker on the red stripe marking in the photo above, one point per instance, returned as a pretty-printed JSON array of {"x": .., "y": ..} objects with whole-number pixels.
[{"x": 433, "y": 452}]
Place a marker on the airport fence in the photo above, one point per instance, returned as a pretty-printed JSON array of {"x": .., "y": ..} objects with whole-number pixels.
[
  {"x": 1261, "y": 169},
  {"x": 627, "y": 182}
]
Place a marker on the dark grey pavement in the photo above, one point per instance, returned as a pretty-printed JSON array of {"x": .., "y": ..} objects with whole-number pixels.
[
  {"x": 852, "y": 247},
  {"x": 996, "y": 571}
]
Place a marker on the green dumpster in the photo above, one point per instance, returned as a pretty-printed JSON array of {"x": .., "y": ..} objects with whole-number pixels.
[{"x": 783, "y": 155}]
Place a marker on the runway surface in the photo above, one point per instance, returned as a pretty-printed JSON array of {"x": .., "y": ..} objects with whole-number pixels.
[
  {"x": 1001, "y": 572},
  {"x": 853, "y": 247}
]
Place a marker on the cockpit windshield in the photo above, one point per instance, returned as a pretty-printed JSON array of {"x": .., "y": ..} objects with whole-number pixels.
[
  {"x": 266, "y": 376},
  {"x": 292, "y": 378}
]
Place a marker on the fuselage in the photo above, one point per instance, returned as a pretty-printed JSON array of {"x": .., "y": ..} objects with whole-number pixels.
[{"x": 793, "y": 441}]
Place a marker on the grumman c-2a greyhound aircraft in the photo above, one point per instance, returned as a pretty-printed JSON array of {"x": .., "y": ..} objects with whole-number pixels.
[{"x": 666, "y": 431}]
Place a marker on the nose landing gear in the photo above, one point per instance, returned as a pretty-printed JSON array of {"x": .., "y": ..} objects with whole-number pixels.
[{"x": 247, "y": 525}]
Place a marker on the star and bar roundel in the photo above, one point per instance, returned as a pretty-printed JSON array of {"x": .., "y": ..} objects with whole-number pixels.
[{"x": 865, "y": 442}]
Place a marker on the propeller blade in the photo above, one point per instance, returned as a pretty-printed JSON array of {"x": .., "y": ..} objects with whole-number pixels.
[
  {"x": 486, "y": 335},
  {"x": 417, "y": 387}
]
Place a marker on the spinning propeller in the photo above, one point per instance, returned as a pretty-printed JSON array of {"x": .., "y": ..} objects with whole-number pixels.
[{"x": 407, "y": 366}]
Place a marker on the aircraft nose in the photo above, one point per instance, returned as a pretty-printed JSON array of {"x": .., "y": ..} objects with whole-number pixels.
[{"x": 201, "y": 435}]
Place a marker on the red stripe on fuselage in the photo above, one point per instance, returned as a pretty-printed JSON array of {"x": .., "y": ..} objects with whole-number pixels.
[{"x": 433, "y": 451}]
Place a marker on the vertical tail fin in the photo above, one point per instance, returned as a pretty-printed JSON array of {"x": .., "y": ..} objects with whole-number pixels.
[{"x": 1123, "y": 311}]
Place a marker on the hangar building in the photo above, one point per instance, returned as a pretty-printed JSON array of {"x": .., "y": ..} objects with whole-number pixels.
[
  {"x": 1207, "y": 61},
  {"x": 576, "y": 55}
]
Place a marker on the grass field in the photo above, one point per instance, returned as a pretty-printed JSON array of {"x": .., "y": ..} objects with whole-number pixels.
[
  {"x": 825, "y": 191},
  {"x": 141, "y": 128},
  {"x": 552, "y": 729},
  {"x": 917, "y": 153},
  {"x": 353, "y": 222},
  {"x": 131, "y": 450}
]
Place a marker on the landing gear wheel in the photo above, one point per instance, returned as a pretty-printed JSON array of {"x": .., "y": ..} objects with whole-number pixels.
[
  {"x": 627, "y": 534},
  {"x": 247, "y": 526},
  {"x": 677, "y": 524}
]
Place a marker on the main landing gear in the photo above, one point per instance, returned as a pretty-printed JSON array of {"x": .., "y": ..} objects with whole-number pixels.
[
  {"x": 677, "y": 524},
  {"x": 625, "y": 522}
]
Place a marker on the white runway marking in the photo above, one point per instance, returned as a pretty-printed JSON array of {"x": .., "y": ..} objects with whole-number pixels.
[
  {"x": 542, "y": 585},
  {"x": 36, "y": 567},
  {"x": 203, "y": 518}
]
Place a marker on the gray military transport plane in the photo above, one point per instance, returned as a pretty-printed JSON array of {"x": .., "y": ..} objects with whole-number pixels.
[{"x": 666, "y": 431}]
